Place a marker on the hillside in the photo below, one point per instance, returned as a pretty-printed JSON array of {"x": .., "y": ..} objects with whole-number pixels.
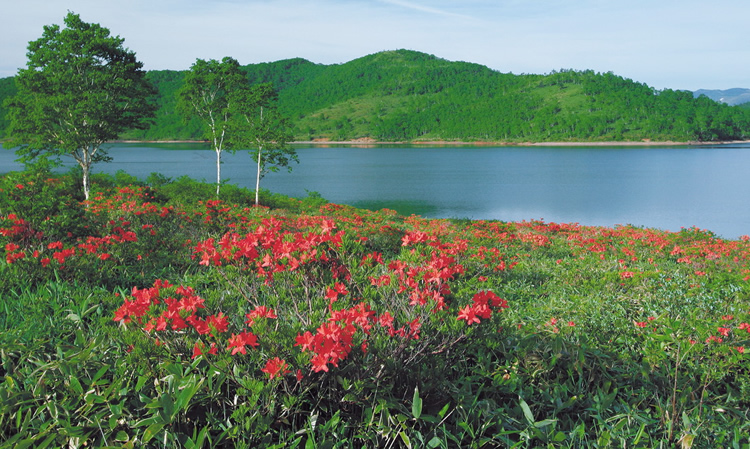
[{"x": 406, "y": 96}]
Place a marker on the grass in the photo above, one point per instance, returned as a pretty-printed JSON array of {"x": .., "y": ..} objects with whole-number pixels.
[{"x": 158, "y": 316}]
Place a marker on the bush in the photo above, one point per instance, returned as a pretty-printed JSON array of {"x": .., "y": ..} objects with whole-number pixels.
[{"x": 172, "y": 318}]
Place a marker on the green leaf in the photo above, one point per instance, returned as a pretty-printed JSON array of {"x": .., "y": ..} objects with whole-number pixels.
[
  {"x": 639, "y": 435},
  {"x": 25, "y": 443},
  {"x": 141, "y": 382},
  {"x": 99, "y": 374},
  {"x": 151, "y": 431},
  {"x": 604, "y": 439},
  {"x": 443, "y": 411},
  {"x": 527, "y": 411},
  {"x": 544, "y": 423},
  {"x": 76, "y": 385},
  {"x": 190, "y": 387},
  {"x": 167, "y": 405},
  {"x": 46, "y": 443},
  {"x": 559, "y": 436},
  {"x": 151, "y": 420},
  {"x": 416, "y": 404},
  {"x": 405, "y": 439},
  {"x": 197, "y": 441}
]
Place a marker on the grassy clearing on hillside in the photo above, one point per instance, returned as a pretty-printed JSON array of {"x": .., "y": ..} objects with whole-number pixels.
[{"x": 158, "y": 316}]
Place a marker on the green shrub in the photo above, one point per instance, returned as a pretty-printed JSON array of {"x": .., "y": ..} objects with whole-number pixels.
[{"x": 359, "y": 328}]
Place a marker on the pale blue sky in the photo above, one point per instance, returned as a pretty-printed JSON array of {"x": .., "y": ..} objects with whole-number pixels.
[{"x": 677, "y": 44}]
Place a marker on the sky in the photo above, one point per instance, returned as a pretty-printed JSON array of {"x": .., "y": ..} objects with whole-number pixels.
[{"x": 675, "y": 44}]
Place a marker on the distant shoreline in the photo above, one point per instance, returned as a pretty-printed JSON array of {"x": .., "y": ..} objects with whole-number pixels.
[{"x": 373, "y": 142}]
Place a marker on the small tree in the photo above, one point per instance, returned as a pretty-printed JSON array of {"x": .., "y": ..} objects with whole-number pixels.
[
  {"x": 206, "y": 93},
  {"x": 80, "y": 89},
  {"x": 261, "y": 128}
]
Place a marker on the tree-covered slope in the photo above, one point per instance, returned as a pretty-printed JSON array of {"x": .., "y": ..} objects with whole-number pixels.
[
  {"x": 404, "y": 95},
  {"x": 407, "y": 95}
]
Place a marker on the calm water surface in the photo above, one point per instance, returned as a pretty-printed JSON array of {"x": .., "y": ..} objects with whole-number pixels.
[{"x": 663, "y": 187}]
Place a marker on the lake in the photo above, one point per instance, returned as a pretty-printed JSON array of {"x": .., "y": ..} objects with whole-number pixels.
[{"x": 667, "y": 187}]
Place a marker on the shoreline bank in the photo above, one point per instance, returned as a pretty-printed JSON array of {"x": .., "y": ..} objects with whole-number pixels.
[{"x": 372, "y": 142}]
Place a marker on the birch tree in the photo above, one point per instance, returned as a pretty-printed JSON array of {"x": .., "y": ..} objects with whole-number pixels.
[
  {"x": 80, "y": 89},
  {"x": 208, "y": 92},
  {"x": 260, "y": 128}
]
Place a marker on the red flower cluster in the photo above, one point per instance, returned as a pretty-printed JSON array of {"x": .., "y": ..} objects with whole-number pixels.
[
  {"x": 238, "y": 342},
  {"x": 269, "y": 249},
  {"x": 12, "y": 256},
  {"x": 276, "y": 367},
  {"x": 20, "y": 230},
  {"x": 180, "y": 313},
  {"x": 481, "y": 307},
  {"x": 333, "y": 341},
  {"x": 259, "y": 312},
  {"x": 100, "y": 247}
]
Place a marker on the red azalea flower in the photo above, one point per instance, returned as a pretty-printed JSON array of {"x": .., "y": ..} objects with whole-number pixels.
[
  {"x": 468, "y": 314},
  {"x": 259, "y": 312},
  {"x": 197, "y": 350},
  {"x": 238, "y": 342},
  {"x": 218, "y": 322},
  {"x": 275, "y": 367},
  {"x": 305, "y": 341},
  {"x": 319, "y": 363}
]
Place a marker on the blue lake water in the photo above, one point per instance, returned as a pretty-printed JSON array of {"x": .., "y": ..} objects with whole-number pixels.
[{"x": 663, "y": 187}]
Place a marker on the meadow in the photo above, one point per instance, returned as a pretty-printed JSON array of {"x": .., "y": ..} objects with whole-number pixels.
[{"x": 157, "y": 315}]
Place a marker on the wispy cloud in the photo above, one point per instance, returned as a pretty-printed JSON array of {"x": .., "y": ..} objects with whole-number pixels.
[
  {"x": 685, "y": 44},
  {"x": 428, "y": 9}
]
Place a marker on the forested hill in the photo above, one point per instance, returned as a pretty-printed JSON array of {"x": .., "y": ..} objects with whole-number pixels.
[{"x": 406, "y": 95}]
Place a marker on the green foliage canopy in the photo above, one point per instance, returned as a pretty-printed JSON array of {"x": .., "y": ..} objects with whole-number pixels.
[{"x": 80, "y": 89}]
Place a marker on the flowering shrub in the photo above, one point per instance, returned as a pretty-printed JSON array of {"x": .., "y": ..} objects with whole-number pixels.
[{"x": 260, "y": 326}]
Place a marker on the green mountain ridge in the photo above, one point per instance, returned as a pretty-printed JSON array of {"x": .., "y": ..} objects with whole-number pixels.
[
  {"x": 406, "y": 95},
  {"x": 732, "y": 97}
]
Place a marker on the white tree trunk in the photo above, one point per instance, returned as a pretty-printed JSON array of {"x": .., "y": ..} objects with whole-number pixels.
[
  {"x": 218, "y": 141},
  {"x": 84, "y": 161},
  {"x": 218, "y": 171},
  {"x": 86, "y": 186},
  {"x": 257, "y": 177}
]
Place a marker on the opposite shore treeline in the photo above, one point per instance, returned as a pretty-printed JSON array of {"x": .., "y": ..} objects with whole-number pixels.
[{"x": 406, "y": 96}]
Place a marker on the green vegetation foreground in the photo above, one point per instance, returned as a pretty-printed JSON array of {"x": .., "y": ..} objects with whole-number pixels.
[{"x": 154, "y": 315}]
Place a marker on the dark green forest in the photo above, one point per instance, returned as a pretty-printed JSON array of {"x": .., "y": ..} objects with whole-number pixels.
[{"x": 410, "y": 96}]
